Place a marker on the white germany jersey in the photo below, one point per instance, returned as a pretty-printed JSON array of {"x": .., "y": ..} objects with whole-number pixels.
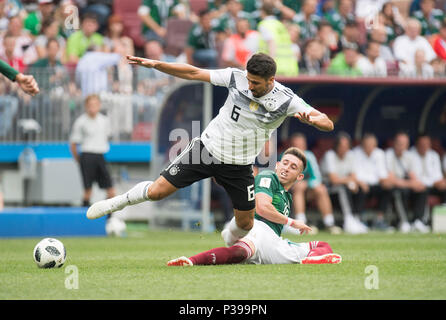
[{"x": 244, "y": 123}]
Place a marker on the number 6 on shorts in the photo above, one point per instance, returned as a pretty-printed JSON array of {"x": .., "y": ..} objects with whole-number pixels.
[{"x": 251, "y": 193}]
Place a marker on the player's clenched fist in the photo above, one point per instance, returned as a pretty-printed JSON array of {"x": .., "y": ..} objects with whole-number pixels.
[{"x": 27, "y": 83}]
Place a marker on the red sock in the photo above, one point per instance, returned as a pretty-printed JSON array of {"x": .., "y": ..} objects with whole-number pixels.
[
  {"x": 319, "y": 248},
  {"x": 223, "y": 255}
]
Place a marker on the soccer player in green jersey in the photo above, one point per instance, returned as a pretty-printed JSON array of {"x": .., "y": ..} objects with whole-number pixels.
[
  {"x": 264, "y": 244},
  {"x": 26, "y": 82}
]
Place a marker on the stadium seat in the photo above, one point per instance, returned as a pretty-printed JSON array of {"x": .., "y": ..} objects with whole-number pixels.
[
  {"x": 362, "y": 33},
  {"x": 321, "y": 146},
  {"x": 437, "y": 146},
  {"x": 392, "y": 68},
  {"x": 176, "y": 37},
  {"x": 197, "y": 5},
  {"x": 128, "y": 10},
  {"x": 142, "y": 132}
]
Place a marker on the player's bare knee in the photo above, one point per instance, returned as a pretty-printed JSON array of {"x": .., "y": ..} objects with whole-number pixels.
[
  {"x": 244, "y": 220},
  {"x": 154, "y": 193}
]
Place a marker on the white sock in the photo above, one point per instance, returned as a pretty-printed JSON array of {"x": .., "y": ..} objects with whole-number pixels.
[
  {"x": 302, "y": 217},
  {"x": 135, "y": 195},
  {"x": 329, "y": 220},
  {"x": 236, "y": 231}
]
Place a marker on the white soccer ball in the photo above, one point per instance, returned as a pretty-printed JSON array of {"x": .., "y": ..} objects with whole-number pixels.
[
  {"x": 115, "y": 227},
  {"x": 49, "y": 253}
]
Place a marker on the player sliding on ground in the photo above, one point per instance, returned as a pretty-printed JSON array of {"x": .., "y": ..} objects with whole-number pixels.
[
  {"x": 263, "y": 244},
  {"x": 255, "y": 107}
]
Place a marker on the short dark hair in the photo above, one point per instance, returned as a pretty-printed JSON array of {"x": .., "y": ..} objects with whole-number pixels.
[
  {"x": 50, "y": 40},
  {"x": 341, "y": 135},
  {"x": 203, "y": 12},
  {"x": 299, "y": 154},
  {"x": 90, "y": 16},
  {"x": 262, "y": 65},
  {"x": 92, "y": 96},
  {"x": 351, "y": 23},
  {"x": 372, "y": 42},
  {"x": 268, "y": 8},
  {"x": 324, "y": 23},
  {"x": 368, "y": 135},
  {"x": 401, "y": 132},
  {"x": 422, "y": 135},
  {"x": 46, "y": 23}
]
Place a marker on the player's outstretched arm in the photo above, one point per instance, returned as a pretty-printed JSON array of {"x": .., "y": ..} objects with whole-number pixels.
[
  {"x": 26, "y": 82},
  {"x": 266, "y": 209},
  {"x": 316, "y": 119},
  {"x": 180, "y": 70}
]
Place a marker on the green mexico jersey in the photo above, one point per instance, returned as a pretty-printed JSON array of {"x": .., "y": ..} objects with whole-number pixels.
[
  {"x": 159, "y": 10},
  {"x": 33, "y": 23},
  {"x": 308, "y": 28},
  {"x": 268, "y": 182},
  {"x": 432, "y": 24}
]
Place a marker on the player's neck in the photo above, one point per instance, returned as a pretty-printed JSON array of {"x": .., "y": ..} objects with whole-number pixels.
[
  {"x": 267, "y": 91},
  {"x": 287, "y": 186}
]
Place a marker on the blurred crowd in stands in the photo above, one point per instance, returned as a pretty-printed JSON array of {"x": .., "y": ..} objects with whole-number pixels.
[
  {"x": 340, "y": 37},
  {"x": 79, "y": 46}
]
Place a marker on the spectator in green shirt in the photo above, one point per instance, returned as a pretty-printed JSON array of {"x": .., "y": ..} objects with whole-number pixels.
[
  {"x": 79, "y": 41},
  {"x": 344, "y": 63},
  {"x": 227, "y": 21},
  {"x": 286, "y": 9},
  {"x": 49, "y": 70},
  {"x": 307, "y": 20},
  {"x": 393, "y": 21},
  {"x": 429, "y": 17},
  {"x": 338, "y": 18},
  {"x": 201, "y": 43},
  {"x": 154, "y": 15},
  {"x": 33, "y": 21},
  {"x": 50, "y": 29},
  {"x": 251, "y": 6},
  {"x": 217, "y": 5}
]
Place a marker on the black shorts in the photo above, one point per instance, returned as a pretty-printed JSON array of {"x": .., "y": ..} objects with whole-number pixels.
[
  {"x": 94, "y": 168},
  {"x": 196, "y": 163}
]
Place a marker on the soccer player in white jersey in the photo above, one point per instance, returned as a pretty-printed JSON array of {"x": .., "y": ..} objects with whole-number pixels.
[
  {"x": 264, "y": 244},
  {"x": 255, "y": 107}
]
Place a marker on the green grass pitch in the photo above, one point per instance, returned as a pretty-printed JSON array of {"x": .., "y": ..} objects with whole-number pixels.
[{"x": 411, "y": 266}]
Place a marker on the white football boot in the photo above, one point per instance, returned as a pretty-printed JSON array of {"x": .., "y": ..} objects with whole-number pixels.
[{"x": 104, "y": 207}]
